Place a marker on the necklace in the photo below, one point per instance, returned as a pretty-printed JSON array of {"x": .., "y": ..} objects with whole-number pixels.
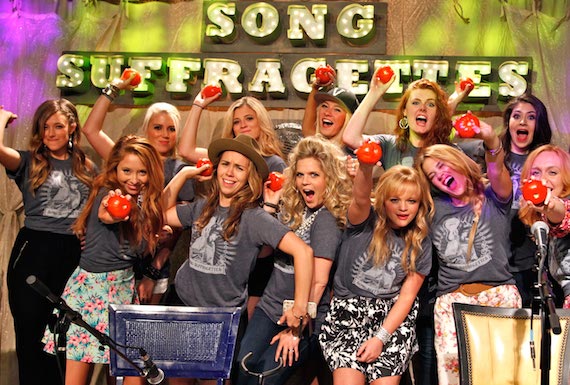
[{"x": 307, "y": 222}]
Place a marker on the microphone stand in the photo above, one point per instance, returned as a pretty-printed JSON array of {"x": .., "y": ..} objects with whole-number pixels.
[
  {"x": 68, "y": 315},
  {"x": 549, "y": 320}
]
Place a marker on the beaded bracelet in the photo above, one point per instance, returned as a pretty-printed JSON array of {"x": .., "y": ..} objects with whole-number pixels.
[{"x": 383, "y": 335}]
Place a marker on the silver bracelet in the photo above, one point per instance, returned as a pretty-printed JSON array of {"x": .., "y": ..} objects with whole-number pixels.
[{"x": 383, "y": 335}]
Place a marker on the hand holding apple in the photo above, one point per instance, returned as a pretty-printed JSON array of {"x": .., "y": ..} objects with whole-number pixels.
[
  {"x": 325, "y": 75},
  {"x": 384, "y": 74},
  {"x": 369, "y": 153},
  {"x": 276, "y": 181},
  {"x": 119, "y": 206},
  {"x": 211, "y": 90},
  {"x": 535, "y": 191},
  {"x": 208, "y": 171},
  {"x": 128, "y": 72},
  {"x": 465, "y": 83},
  {"x": 466, "y": 125}
]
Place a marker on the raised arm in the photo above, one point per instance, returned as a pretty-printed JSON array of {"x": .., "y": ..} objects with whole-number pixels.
[
  {"x": 309, "y": 125},
  {"x": 9, "y": 157},
  {"x": 353, "y": 134},
  {"x": 187, "y": 146},
  {"x": 497, "y": 172},
  {"x": 93, "y": 127},
  {"x": 458, "y": 96},
  {"x": 170, "y": 192},
  {"x": 359, "y": 208}
]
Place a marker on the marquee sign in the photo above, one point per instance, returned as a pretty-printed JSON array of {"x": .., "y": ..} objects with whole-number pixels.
[{"x": 271, "y": 50}]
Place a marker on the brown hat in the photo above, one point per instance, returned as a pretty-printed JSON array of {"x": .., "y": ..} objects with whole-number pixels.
[{"x": 245, "y": 145}]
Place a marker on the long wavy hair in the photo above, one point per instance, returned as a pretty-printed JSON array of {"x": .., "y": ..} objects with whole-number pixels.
[
  {"x": 268, "y": 140},
  {"x": 475, "y": 182},
  {"x": 83, "y": 168},
  {"x": 396, "y": 181},
  {"x": 146, "y": 221},
  {"x": 526, "y": 214},
  {"x": 441, "y": 128},
  {"x": 338, "y": 183},
  {"x": 542, "y": 130},
  {"x": 168, "y": 109},
  {"x": 247, "y": 197}
]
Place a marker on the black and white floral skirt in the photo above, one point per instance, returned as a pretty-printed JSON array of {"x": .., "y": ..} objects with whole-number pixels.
[{"x": 350, "y": 322}]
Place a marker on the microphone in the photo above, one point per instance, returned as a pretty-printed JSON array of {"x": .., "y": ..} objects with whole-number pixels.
[
  {"x": 539, "y": 230},
  {"x": 41, "y": 289},
  {"x": 153, "y": 374}
]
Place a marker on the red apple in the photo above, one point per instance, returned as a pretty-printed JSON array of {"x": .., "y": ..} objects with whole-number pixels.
[
  {"x": 464, "y": 82},
  {"x": 384, "y": 74},
  {"x": 208, "y": 171},
  {"x": 118, "y": 206},
  {"x": 369, "y": 153},
  {"x": 534, "y": 191},
  {"x": 465, "y": 124},
  {"x": 211, "y": 90},
  {"x": 276, "y": 181},
  {"x": 325, "y": 74},
  {"x": 127, "y": 74}
]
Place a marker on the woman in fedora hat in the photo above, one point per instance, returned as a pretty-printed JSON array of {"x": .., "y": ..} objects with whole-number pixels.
[{"x": 229, "y": 228}]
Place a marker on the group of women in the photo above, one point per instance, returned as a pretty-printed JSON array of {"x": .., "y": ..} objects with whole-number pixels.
[{"x": 355, "y": 247}]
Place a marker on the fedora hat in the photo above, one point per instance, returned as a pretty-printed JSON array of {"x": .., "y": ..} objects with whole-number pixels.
[
  {"x": 341, "y": 96},
  {"x": 245, "y": 145}
]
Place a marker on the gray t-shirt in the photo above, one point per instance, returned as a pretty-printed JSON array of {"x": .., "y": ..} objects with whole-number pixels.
[
  {"x": 57, "y": 202},
  {"x": 391, "y": 154},
  {"x": 171, "y": 167},
  {"x": 559, "y": 262},
  {"x": 488, "y": 263},
  {"x": 216, "y": 272},
  {"x": 104, "y": 249},
  {"x": 522, "y": 253},
  {"x": 275, "y": 163},
  {"x": 324, "y": 237},
  {"x": 356, "y": 274}
]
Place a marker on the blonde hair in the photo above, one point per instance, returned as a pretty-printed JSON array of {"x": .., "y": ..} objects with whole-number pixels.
[
  {"x": 475, "y": 182},
  {"x": 268, "y": 140},
  {"x": 40, "y": 166},
  {"x": 145, "y": 222},
  {"x": 337, "y": 194},
  {"x": 166, "y": 108},
  {"x": 395, "y": 182},
  {"x": 527, "y": 215},
  {"x": 338, "y": 137}
]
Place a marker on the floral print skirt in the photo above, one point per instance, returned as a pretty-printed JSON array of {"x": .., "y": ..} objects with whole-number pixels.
[
  {"x": 445, "y": 332},
  {"x": 90, "y": 295}
]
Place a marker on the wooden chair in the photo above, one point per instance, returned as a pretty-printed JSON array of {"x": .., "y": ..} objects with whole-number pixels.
[{"x": 494, "y": 346}]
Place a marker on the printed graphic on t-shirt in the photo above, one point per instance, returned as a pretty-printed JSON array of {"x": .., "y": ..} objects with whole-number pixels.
[
  {"x": 62, "y": 194},
  {"x": 515, "y": 171},
  {"x": 210, "y": 253},
  {"x": 451, "y": 241},
  {"x": 376, "y": 279},
  {"x": 125, "y": 251}
]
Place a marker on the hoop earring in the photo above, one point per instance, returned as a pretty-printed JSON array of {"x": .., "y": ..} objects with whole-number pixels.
[{"x": 403, "y": 123}]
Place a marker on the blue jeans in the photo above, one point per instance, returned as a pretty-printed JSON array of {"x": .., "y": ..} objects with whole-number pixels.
[{"x": 260, "y": 330}]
